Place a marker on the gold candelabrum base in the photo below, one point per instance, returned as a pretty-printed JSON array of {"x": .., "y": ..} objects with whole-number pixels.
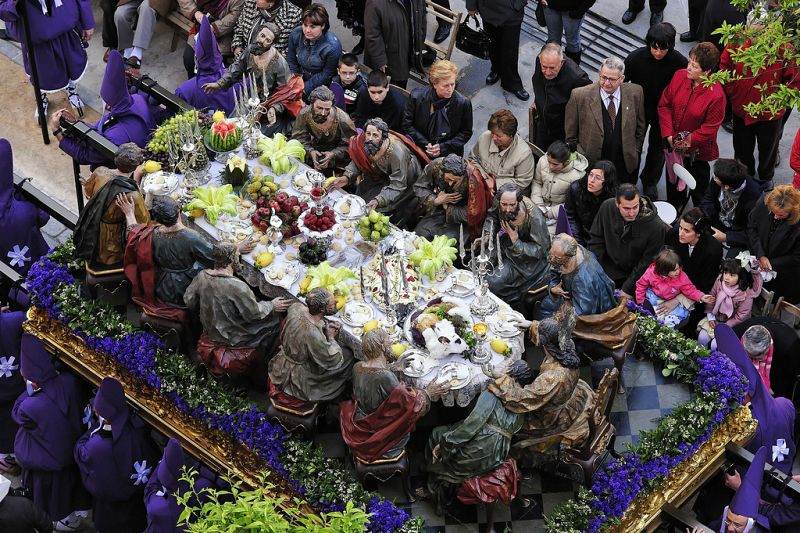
[
  {"x": 215, "y": 449},
  {"x": 644, "y": 514}
]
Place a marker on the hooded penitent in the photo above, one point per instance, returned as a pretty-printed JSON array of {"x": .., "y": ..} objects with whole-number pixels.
[
  {"x": 114, "y": 92},
  {"x": 746, "y": 500},
  {"x": 209, "y": 69},
  {"x": 21, "y": 242},
  {"x": 775, "y": 415},
  {"x": 169, "y": 469},
  {"x": 11, "y": 384}
]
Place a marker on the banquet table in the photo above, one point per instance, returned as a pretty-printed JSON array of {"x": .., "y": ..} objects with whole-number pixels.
[{"x": 343, "y": 252}]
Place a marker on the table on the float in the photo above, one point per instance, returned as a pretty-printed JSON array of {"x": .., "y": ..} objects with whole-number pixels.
[{"x": 347, "y": 236}]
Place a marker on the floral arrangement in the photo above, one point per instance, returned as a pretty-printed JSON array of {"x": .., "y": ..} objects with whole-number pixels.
[
  {"x": 325, "y": 484},
  {"x": 719, "y": 388}
]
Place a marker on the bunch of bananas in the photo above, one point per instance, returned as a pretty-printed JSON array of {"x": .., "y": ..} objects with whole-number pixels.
[
  {"x": 275, "y": 153},
  {"x": 213, "y": 201},
  {"x": 431, "y": 256}
]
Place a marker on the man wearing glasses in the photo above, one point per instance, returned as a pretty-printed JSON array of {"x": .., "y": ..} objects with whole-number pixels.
[{"x": 606, "y": 120}]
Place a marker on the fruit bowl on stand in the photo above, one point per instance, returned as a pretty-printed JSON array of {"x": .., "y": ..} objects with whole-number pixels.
[
  {"x": 320, "y": 227},
  {"x": 223, "y": 138}
]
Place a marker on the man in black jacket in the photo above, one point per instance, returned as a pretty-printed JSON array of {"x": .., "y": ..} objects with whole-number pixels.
[
  {"x": 652, "y": 66},
  {"x": 503, "y": 21},
  {"x": 380, "y": 100},
  {"x": 727, "y": 203},
  {"x": 19, "y": 514},
  {"x": 554, "y": 77}
]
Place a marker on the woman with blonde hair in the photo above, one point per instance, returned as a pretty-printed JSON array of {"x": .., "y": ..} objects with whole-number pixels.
[
  {"x": 438, "y": 118},
  {"x": 774, "y": 237}
]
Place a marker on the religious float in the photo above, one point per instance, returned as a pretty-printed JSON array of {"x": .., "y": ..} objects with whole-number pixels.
[{"x": 308, "y": 237}]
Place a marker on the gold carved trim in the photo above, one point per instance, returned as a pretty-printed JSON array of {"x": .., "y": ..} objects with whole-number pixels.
[
  {"x": 209, "y": 445},
  {"x": 644, "y": 514}
]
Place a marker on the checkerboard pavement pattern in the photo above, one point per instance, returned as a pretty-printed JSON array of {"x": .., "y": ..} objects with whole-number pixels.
[{"x": 649, "y": 395}]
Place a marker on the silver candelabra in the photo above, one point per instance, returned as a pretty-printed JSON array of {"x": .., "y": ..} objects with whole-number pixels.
[
  {"x": 249, "y": 106},
  {"x": 193, "y": 158},
  {"x": 482, "y": 268}
]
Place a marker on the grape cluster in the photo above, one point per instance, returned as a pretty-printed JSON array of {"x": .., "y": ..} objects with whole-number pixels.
[
  {"x": 313, "y": 252},
  {"x": 158, "y": 142}
]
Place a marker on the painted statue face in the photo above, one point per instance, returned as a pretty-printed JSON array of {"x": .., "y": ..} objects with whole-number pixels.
[
  {"x": 378, "y": 94},
  {"x": 509, "y": 206},
  {"x": 321, "y": 110},
  {"x": 629, "y": 209},
  {"x": 551, "y": 65},
  {"x": 452, "y": 180},
  {"x": 265, "y": 38},
  {"x": 373, "y": 139}
]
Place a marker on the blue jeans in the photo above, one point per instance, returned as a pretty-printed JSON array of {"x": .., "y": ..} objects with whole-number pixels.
[{"x": 558, "y": 21}]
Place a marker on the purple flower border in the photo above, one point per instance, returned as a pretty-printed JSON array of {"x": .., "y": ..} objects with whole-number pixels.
[{"x": 136, "y": 353}]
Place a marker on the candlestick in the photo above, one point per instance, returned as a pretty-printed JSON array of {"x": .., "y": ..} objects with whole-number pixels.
[
  {"x": 483, "y": 242},
  {"x": 491, "y": 236},
  {"x": 499, "y": 254},
  {"x": 461, "y": 250},
  {"x": 385, "y": 283}
]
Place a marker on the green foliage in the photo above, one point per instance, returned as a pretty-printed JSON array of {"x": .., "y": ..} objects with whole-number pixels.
[
  {"x": 258, "y": 510},
  {"x": 677, "y": 353},
  {"x": 93, "y": 318},
  {"x": 775, "y": 40},
  {"x": 571, "y": 516},
  {"x": 65, "y": 254}
]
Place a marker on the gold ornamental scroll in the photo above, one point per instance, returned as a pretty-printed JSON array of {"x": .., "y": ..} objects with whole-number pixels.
[
  {"x": 644, "y": 513},
  {"x": 209, "y": 445}
]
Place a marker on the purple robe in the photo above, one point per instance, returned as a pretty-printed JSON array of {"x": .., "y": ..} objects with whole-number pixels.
[
  {"x": 11, "y": 383},
  {"x": 49, "y": 424},
  {"x": 209, "y": 69},
  {"x": 21, "y": 241},
  {"x": 116, "y": 465},
  {"x": 60, "y": 56},
  {"x": 130, "y": 117}
]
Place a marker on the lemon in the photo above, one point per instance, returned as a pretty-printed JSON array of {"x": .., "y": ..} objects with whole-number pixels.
[
  {"x": 398, "y": 349},
  {"x": 151, "y": 166},
  {"x": 329, "y": 181},
  {"x": 499, "y": 345},
  {"x": 218, "y": 116},
  {"x": 340, "y": 300},
  {"x": 264, "y": 259},
  {"x": 304, "y": 284},
  {"x": 196, "y": 213},
  {"x": 372, "y": 324}
]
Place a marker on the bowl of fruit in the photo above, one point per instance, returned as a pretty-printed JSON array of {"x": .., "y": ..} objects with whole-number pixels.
[
  {"x": 222, "y": 138},
  {"x": 287, "y": 207},
  {"x": 313, "y": 251},
  {"x": 374, "y": 226},
  {"x": 319, "y": 224}
]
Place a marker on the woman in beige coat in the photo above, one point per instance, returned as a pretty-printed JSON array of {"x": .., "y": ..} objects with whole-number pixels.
[{"x": 554, "y": 174}]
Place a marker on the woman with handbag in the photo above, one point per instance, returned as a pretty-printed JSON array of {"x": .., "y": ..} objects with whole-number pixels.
[
  {"x": 503, "y": 21},
  {"x": 566, "y": 16}
]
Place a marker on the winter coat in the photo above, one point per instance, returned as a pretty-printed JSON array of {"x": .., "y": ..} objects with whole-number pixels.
[
  {"x": 736, "y": 235},
  {"x": 393, "y": 37},
  {"x": 514, "y": 165},
  {"x": 653, "y": 75},
  {"x": 702, "y": 265},
  {"x": 666, "y": 287},
  {"x": 581, "y": 207},
  {"x": 20, "y": 515},
  {"x": 316, "y": 61},
  {"x": 782, "y": 248},
  {"x": 575, "y": 8},
  {"x": 223, "y": 26},
  {"x": 549, "y": 188},
  {"x": 551, "y": 97},
  {"x": 417, "y": 115},
  {"x": 626, "y": 259},
  {"x": 499, "y": 12},
  {"x": 742, "y": 300},
  {"x": 699, "y": 110}
]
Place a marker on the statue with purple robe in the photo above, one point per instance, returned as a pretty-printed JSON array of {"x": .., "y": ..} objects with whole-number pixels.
[
  {"x": 60, "y": 31},
  {"x": 128, "y": 117},
  {"x": 116, "y": 460},
  {"x": 21, "y": 241},
  {"x": 208, "y": 61},
  {"x": 11, "y": 386},
  {"x": 49, "y": 415}
]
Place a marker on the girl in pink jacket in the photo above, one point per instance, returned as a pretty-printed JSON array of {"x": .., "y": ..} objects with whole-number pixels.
[
  {"x": 664, "y": 283},
  {"x": 734, "y": 290}
]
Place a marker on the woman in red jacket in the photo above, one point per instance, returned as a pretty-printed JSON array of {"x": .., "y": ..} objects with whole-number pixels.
[
  {"x": 794, "y": 160},
  {"x": 690, "y": 115}
]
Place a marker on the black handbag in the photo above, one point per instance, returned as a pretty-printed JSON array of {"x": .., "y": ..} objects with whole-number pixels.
[
  {"x": 540, "y": 14},
  {"x": 475, "y": 42}
]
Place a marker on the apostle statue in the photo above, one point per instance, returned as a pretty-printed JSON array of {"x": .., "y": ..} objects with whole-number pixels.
[
  {"x": 558, "y": 404},
  {"x": 475, "y": 446},
  {"x": 383, "y": 167},
  {"x": 379, "y": 420},
  {"x": 99, "y": 235},
  {"x": 524, "y": 243},
  {"x": 116, "y": 460},
  {"x": 324, "y": 130},
  {"x": 578, "y": 277},
  {"x": 453, "y": 195},
  {"x": 316, "y": 357},
  {"x": 233, "y": 320},
  {"x": 162, "y": 259},
  {"x": 49, "y": 415}
]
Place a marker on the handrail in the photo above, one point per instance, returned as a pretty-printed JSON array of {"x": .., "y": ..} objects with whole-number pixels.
[
  {"x": 152, "y": 88},
  {"x": 46, "y": 203}
]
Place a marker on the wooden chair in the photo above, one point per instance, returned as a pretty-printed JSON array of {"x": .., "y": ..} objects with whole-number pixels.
[
  {"x": 765, "y": 300},
  {"x": 406, "y": 92},
  {"x": 382, "y": 470},
  {"x": 582, "y": 462},
  {"x": 302, "y": 422},
  {"x": 180, "y": 28},
  {"x": 469, "y": 496},
  {"x": 445, "y": 49},
  {"x": 532, "y": 125},
  {"x": 782, "y": 306}
]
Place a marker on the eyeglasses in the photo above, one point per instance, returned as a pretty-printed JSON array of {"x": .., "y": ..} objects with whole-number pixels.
[
  {"x": 738, "y": 527},
  {"x": 596, "y": 177},
  {"x": 606, "y": 79}
]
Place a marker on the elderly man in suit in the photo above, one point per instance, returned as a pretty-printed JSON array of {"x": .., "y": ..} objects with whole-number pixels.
[{"x": 605, "y": 120}]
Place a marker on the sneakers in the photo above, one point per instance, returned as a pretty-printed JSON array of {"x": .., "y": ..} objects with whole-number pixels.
[
  {"x": 45, "y": 103},
  {"x": 71, "y": 523},
  {"x": 75, "y": 100}
]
